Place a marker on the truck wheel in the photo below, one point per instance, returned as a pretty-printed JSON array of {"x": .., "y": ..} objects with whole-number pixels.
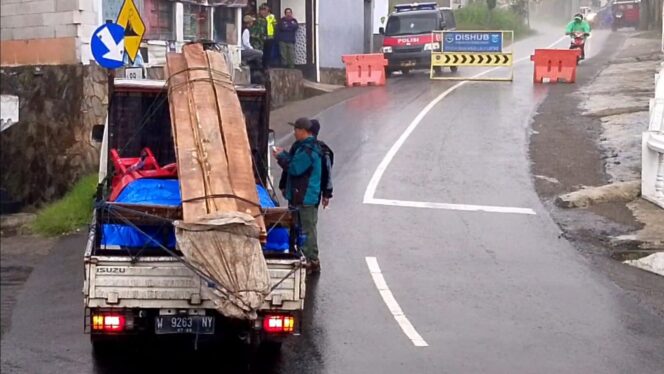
[
  {"x": 271, "y": 346},
  {"x": 388, "y": 72},
  {"x": 454, "y": 69},
  {"x": 102, "y": 348},
  {"x": 405, "y": 71}
]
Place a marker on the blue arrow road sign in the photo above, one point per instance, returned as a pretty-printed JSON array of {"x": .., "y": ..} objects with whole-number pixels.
[
  {"x": 472, "y": 41},
  {"x": 107, "y": 45}
]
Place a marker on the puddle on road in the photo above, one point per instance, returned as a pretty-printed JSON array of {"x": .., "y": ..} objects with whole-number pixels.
[{"x": 12, "y": 279}]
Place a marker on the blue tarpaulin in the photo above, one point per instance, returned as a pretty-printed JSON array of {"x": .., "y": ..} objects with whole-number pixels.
[
  {"x": 163, "y": 192},
  {"x": 278, "y": 237},
  {"x": 166, "y": 192},
  {"x": 119, "y": 235}
]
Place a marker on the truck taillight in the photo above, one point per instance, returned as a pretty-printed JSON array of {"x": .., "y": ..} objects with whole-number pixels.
[
  {"x": 278, "y": 324},
  {"x": 108, "y": 322}
]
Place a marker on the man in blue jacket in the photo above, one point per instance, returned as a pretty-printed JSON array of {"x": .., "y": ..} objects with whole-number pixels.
[
  {"x": 303, "y": 184},
  {"x": 287, "y": 29}
]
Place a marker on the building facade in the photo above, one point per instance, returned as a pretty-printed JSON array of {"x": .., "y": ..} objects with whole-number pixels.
[
  {"x": 46, "y": 32},
  {"x": 58, "y": 32}
]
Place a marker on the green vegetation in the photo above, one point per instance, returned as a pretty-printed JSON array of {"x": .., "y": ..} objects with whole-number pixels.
[
  {"x": 69, "y": 213},
  {"x": 477, "y": 16}
]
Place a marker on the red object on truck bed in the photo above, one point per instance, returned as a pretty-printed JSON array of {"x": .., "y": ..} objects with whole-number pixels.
[{"x": 129, "y": 169}]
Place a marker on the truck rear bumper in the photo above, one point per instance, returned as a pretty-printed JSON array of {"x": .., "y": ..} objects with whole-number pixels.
[{"x": 133, "y": 322}]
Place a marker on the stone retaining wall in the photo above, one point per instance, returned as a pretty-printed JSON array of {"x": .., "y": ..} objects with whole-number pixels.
[
  {"x": 49, "y": 149},
  {"x": 333, "y": 76},
  {"x": 287, "y": 85}
]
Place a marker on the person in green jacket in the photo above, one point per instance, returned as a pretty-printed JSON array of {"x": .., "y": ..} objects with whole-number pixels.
[
  {"x": 578, "y": 24},
  {"x": 303, "y": 169},
  {"x": 258, "y": 33}
]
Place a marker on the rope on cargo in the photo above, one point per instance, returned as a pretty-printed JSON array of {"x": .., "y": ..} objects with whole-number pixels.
[
  {"x": 170, "y": 221},
  {"x": 295, "y": 268},
  {"x": 225, "y": 195},
  {"x": 256, "y": 160},
  {"x": 223, "y": 78},
  {"x": 208, "y": 278},
  {"x": 113, "y": 209}
]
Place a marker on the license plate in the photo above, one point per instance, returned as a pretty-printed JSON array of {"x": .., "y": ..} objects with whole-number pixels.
[
  {"x": 184, "y": 325},
  {"x": 408, "y": 63}
]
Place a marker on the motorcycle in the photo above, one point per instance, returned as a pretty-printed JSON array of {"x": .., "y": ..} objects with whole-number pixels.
[{"x": 579, "y": 42}]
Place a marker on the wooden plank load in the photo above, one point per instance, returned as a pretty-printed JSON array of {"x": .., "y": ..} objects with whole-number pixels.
[{"x": 213, "y": 153}]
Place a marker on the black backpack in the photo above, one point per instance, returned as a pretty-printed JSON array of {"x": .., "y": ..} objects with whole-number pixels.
[{"x": 327, "y": 158}]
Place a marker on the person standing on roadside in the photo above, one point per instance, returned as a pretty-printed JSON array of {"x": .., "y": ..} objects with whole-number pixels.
[
  {"x": 287, "y": 31},
  {"x": 303, "y": 185},
  {"x": 270, "y": 32},
  {"x": 327, "y": 159}
]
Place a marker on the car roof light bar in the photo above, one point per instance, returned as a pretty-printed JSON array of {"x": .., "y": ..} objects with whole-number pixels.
[{"x": 415, "y": 6}]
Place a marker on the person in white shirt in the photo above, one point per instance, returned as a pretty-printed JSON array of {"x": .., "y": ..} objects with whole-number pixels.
[{"x": 249, "y": 54}]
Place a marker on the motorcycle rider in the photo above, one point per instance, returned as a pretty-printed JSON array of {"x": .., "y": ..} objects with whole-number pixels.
[{"x": 579, "y": 25}]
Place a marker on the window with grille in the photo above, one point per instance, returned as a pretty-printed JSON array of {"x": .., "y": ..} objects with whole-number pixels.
[
  {"x": 158, "y": 16},
  {"x": 159, "y": 19},
  {"x": 196, "y": 22},
  {"x": 224, "y": 25}
]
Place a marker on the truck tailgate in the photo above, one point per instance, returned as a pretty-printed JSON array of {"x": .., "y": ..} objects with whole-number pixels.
[{"x": 165, "y": 282}]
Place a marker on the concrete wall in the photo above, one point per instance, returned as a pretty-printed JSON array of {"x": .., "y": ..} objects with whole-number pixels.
[
  {"x": 286, "y": 85},
  {"x": 49, "y": 148},
  {"x": 45, "y": 31},
  {"x": 341, "y": 27}
]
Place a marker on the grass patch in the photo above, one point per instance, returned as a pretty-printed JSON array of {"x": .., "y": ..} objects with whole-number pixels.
[
  {"x": 69, "y": 213},
  {"x": 476, "y": 16}
]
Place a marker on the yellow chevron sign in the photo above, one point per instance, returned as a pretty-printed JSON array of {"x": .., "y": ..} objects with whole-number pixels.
[
  {"x": 471, "y": 59},
  {"x": 130, "y": 19}
]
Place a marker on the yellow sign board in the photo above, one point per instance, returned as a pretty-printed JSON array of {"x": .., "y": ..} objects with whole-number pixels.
[
  {"x": 499, "y": 59},
  {"x": 130, "y": 19},
  {"x": 470, "y": 59}
]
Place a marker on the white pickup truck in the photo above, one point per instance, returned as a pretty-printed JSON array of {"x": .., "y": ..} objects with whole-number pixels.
[{"x": 130, "y": 292}]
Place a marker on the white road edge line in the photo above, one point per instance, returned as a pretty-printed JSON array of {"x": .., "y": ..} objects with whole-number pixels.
[
  {"x": 392, "y": 304},
  {"x": 380, "y": 170},
  {"x": 445, "y": 206}
]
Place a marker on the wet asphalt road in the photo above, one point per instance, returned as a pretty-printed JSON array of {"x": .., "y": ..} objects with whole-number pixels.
[{"x": 489, "y": 292}]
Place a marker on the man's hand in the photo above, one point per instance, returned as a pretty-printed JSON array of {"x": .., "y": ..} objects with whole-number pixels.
[
  {"x": 326, "y": 202},
  {"x": 276, "y": 151}
]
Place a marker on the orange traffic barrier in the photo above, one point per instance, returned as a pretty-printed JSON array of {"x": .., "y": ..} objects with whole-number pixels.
[
  {"x": 555, "y": 65},
  {"x": 365, "y": 70}
]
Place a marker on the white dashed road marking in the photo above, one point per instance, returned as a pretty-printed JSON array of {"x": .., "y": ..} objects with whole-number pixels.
[{"x": 392, "y": 304}]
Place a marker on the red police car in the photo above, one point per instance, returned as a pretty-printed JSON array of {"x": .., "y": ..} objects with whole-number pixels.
[{"x": 408, "y": 41}]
